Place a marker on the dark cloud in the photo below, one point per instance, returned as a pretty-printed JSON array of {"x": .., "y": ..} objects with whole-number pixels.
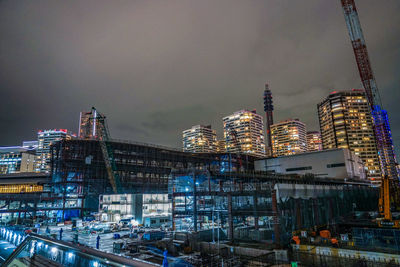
[{"x": 158, "y": 67}]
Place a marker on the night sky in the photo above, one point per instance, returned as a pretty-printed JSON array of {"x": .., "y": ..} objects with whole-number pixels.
[{"x": 156, "y": 68}]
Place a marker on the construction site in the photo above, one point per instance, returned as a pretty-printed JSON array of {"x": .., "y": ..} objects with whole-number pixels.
[{"x": 211, "y": 209}]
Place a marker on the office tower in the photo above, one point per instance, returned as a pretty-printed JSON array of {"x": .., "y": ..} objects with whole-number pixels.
[
  {"x": 269, "y": 109},
  {"x": 345, "y": 122},
  {"x": 314, "y": 142},
  {"x": 14, "y": 159},
  {"x": 244, "y": 133},
  {"x": 221, "y": 146},
  {"x": 288, "y": 138},
  {"x": 199, "y": 138},
  {"x": 89, "y": 125},
  {"x": 45, "y": 140}
]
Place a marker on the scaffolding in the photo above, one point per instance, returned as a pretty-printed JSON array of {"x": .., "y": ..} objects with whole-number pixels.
[
  {"x": 79, "y": 170},
  {"x": 260, "y": 206}
]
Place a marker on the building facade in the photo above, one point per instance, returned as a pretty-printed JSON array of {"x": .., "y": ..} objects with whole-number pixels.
[
  {"x": 333, "y": 163},
  {"x": 45, "y": 140},
  {"x": 345, "y": 122},
  {"x": 221, "y": 146},
  {"x": 288, "y": 138},
  {"x": 200, "y": 139},
  {"x": 17, "y": 159},
  {"x": 314, "y": 141},
  {"x": 244, "y": 133}
]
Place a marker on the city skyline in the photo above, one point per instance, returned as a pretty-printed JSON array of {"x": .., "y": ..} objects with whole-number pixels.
[{"x": 159, "y": 107}]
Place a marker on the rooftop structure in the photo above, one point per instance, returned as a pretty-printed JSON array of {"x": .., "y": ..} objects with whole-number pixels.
[
  {"x": 333, "y": 163},
  {"x": 89, "y": 125}
]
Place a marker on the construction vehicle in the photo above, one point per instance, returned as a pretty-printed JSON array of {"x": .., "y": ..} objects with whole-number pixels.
[{"x": 103, "y": 135}]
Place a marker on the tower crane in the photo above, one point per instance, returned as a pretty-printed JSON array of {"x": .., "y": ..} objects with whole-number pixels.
[
  {"x": 381, "y": 123},
  {"x": 384, "y": 143}
]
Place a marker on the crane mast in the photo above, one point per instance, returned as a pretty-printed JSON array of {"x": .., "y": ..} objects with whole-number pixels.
[
  {"x": 382, "y": 131},
  {"x": 103, "y": 135}
]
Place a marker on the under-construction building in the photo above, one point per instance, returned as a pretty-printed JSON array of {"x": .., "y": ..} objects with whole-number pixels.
[
  {"x": 260, "y": 206},
  {"x": 79, "y": 173},
  {"x": 244, "y": 198},
  {"x": 89, "y": 124}
]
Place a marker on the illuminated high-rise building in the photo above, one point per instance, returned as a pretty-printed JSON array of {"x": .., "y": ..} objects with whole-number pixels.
[
  {"x": 314, "y": 141},
  {"x": 244, "y": 133},
  {"x": 199, "y": 138},
  {"x": 221, "y": 146},
  {"x": 89, "y": 125},
  {"x": 345, "y": 122},
  {"x": 288, "y": 138},
  {"x": 45, "y": 140}
]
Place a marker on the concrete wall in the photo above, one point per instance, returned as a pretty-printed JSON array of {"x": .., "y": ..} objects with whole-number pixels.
[{"x": 326, "y": 163}]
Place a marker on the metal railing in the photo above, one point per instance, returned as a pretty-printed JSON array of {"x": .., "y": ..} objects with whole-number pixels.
[{"x": 67, "y": 254}]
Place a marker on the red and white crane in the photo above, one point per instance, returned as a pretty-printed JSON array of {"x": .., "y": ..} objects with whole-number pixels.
[{"x": 382, "y": 132}]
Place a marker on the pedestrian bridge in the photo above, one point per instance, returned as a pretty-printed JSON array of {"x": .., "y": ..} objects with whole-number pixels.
[{"x": 37, "y": 251}]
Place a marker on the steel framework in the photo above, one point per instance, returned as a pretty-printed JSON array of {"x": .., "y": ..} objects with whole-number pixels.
[
  {"x": 78, "y": 168},
  {"x": 256, "y": 206}
]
